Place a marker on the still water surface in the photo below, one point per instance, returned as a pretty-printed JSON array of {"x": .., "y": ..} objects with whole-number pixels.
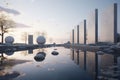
[{"x": 68, "y": 65}]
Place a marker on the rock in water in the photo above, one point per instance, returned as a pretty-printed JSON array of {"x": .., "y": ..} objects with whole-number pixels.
[{"x": 54, "y": 53}]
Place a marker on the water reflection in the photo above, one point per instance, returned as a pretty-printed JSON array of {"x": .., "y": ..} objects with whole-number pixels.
[
  {"x": 77, "y": 61},
  {"x": 72, "y": 54},
  {"x": 54, "y": 53},
  {"x": 30, "y": 51},
  {"x": 60, "y": 67},
  {"x": 100, "y": 67},
  {"x": 6, "y": 66},
  {"x": 40, "y": 56},
  {"x": 9, "y": 53},
  {"x": 10, "y": 76}
]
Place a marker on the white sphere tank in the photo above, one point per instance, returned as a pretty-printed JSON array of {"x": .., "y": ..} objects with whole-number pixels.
[
  {"x": 41, "y": 40},
  {"x": 9, "y": 39}
]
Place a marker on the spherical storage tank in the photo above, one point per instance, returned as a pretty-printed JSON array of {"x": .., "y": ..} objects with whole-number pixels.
[
  {"x": 9, "y": 39},
  {"x": 41, "y": 40}
]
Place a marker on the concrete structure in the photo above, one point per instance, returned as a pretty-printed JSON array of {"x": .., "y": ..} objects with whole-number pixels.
[
  {"x": 82, "y": 32},
  {"x": 108, "y": 28},
  {"x": 72, "y": 37},
  {"x": 92, "y": 28},
  {"x": 30, "y": 39},
  {"x": 77, "y": 34},
  {"x": 85, "y": 32},
  {"x": 96, "y": 25}
]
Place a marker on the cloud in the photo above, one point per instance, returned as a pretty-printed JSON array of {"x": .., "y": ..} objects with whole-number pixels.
[
  {"x": 20, "y": 25},
  {"x": 11, "y": 11},
  {"x": 32, "y": 0}
]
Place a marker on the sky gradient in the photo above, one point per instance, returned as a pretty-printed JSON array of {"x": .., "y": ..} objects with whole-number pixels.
[{"x": 55, "y": 17}]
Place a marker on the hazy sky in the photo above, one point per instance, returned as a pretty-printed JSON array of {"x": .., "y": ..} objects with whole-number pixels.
[{"x": 56, "y": 17}]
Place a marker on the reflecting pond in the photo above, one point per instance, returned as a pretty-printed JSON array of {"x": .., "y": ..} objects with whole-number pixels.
[
  {"x": 67, "y": 64},
  {"x": 99, "y": 66}
]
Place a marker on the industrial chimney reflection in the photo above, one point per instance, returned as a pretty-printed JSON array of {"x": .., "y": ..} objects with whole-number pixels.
[
  {"x": 30, "y": 51},
  {"x": 84, "y": 60},
  {"x": 77, "y": 53},
  {"x": 72, "y": 54}
]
